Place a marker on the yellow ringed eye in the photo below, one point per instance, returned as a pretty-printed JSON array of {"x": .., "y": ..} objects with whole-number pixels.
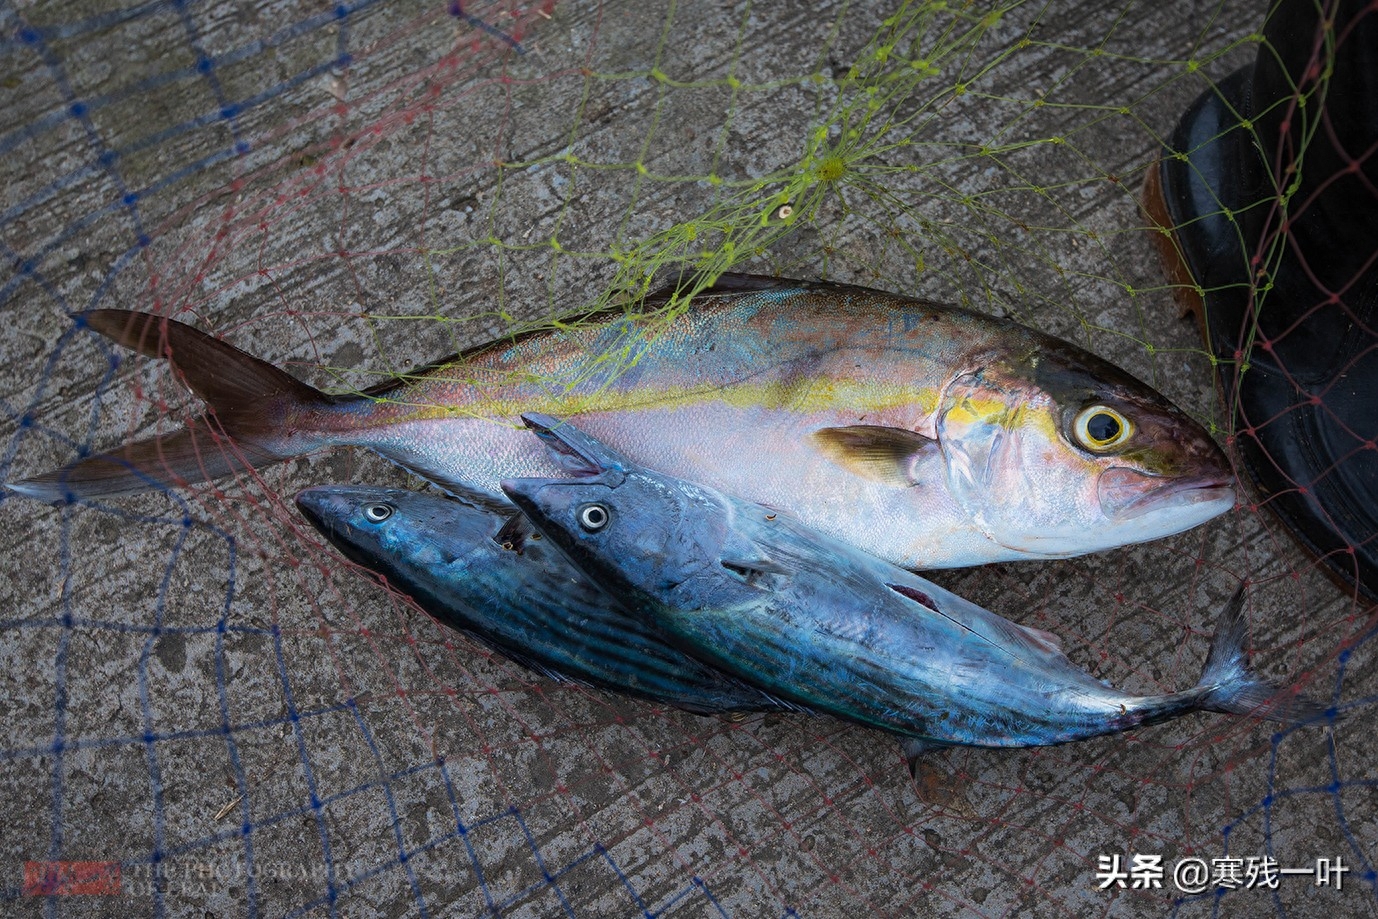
[{"x": 1099, "y": 428}]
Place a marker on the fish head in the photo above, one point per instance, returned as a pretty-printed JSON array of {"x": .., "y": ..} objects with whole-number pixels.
[
  {"x": 384, "y": 528},
  {"x": 628, "y": 528},
  {"x": 1060, "y": 453}
]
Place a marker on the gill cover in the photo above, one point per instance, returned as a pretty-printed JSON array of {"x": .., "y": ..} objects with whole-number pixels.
[
  {"x": 1013, "y": 473},
  {"x": 978, "y": 432}
]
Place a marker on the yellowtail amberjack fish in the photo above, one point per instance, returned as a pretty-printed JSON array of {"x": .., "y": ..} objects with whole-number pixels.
[
  {"x": 480, "y": 569},
  {"x": 813, "y": 620},
  {"x": 926, "y": 434}
]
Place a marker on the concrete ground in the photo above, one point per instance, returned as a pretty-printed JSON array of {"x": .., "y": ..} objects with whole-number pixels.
[{"x": 193, "y": 687}]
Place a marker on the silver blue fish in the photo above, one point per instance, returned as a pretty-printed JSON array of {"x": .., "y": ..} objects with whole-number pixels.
[
  {"x": 751, "y": 590},
  {"x": 478, "y": 567}
]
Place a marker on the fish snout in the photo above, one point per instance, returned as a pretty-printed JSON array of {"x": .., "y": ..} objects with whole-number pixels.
[
  {"x": 313, "y": 504},
  {"x": 1128, "y": 493},
  {"x": 1204, "y": 459},
  {"x": 345, "y": 516},
  {"x": 328, "y": 509}
]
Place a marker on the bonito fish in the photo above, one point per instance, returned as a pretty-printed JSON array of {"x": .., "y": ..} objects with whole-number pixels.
[
  {"x": 815, "y": 621},
  {"x": 928, "y": 435},
  {"x": 480, "y": 569}
]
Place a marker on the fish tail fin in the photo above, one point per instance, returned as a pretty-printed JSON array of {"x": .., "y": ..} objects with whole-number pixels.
[
  {"x": 194, "y": 454},
  {"x": 248, "y": 402},
  {"x": 1228, "y": 684}
]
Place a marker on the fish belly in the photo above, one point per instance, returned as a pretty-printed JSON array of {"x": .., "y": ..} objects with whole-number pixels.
[
  {"x": 728, "y": 396},
  {"x": 760, "y": 455},
  {"x": 939, "y": 684}
]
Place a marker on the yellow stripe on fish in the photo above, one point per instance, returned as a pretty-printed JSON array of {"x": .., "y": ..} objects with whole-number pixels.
[{"x": 926, "y": 434}]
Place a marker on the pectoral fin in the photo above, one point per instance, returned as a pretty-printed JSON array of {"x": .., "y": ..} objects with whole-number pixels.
[
  {"x": 1046, "y": 639},
  {"x": 514, "y": 533},
  {"x": 880, "y": 453},
  {"x": 746, "y": 559},
  {"x": 752, "y": 572}
]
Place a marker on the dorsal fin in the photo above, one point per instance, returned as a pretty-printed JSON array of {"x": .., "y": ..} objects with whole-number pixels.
[
  {"x": 729, "y": 282},
  {"x": 734, "y": 282}
]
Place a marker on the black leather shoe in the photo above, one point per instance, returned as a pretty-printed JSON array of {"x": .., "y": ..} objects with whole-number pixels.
[{"x": 1268, "y": 191}]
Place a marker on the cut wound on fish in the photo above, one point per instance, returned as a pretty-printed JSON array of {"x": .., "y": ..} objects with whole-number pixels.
[{"x": 914, "y": 594}]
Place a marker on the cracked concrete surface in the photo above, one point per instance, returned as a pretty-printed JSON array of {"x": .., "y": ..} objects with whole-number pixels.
[{"x": 193, "y": 687}]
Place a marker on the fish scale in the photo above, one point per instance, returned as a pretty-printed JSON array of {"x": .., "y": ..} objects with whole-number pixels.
[
  {"x": 813, "y": 620},
  {"x": 525, "y": 602},
  {"x": 929, "y": 435}
]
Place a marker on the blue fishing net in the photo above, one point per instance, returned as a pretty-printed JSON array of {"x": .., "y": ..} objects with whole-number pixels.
[{"x": 206, "y": 710}]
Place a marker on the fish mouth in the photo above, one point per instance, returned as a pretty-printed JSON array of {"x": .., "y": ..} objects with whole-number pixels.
[
  {"x": 313, "y": 503},
  {"x": 323, "y": 508},
  {"x": 1127, "y": 493}
]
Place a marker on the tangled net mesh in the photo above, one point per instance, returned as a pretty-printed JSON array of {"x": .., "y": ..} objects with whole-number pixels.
[{"x": 196, "y": 688}]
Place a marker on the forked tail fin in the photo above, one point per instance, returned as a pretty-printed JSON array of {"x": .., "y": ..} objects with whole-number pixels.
[
  {"x": 247, "y": 399},
  {"x": 1228, "y": 685}
]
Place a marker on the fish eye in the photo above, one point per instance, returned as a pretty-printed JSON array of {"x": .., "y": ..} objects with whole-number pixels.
[
  {"x": 377, "y": 513},
  {"x": 1099, "y": 428},
  {"x": 593, "y": 517}
]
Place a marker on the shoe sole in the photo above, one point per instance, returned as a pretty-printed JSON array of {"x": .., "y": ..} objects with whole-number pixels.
[{"x": 1186, "y": 293}]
